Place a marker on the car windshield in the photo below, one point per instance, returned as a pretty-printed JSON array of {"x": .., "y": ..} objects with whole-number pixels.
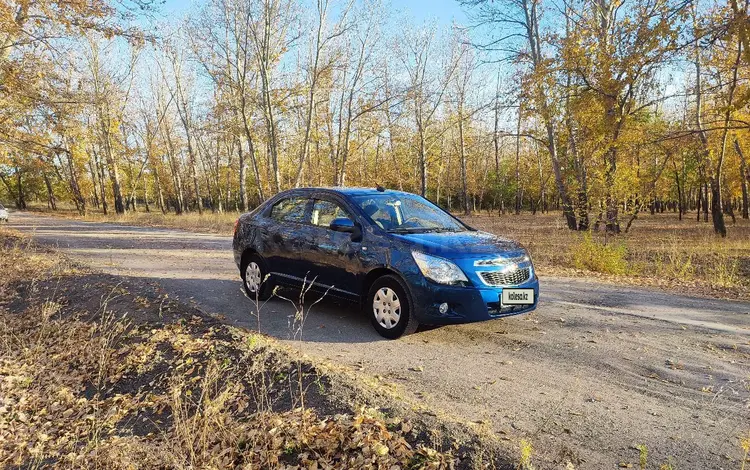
[{"x": 405, "y": 213}]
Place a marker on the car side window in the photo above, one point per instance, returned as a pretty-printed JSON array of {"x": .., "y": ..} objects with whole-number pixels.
[
  {"x": 324, "y": 212},
  {"x": 290, "y": 210},
  {"x": 385, "y": 216}
]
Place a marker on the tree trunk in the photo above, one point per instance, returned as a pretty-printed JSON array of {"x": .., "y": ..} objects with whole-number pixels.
[
  {"x": 51, "y": 200},
  {"x": 253, "y": 160},
  {"x": 75, "y": 187},
  {"x": 174, "y": 167},
  {"x": 705, "y": 201},
  {"x": 462, "y": 149},
  {"x": 518, "y": 163},
  {"x": 114, "y": 175},
  {"x": 112, "y": 165},
  {"x": 159, "y": 193},
  {"x": 102, "y": 186},
  {"x": 680, "y": 207},
  {"x": 265, "y": 60},
  {"x": 94, "y": 182},
  {"x": 610, "y": 170},
  {"x": 744, "y": 178},
  {"x": 717, "y": 209},
  {"x": 184, "y": 114},
  {"x": 304, "y": 150},
  {"x": 496, "y": 129},
  {"x": 21, "y": 200},
  {"x": 533, "y": 37},
  {"x": 422, "y": 164}
]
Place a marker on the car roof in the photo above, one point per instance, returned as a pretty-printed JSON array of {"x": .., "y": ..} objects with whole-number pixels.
[{"x": 350, "y": 192}]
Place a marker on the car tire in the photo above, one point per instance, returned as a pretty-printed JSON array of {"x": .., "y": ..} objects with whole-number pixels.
[
  {"x": 255, "y": 278},
  {"x": 389, "y": 305}
]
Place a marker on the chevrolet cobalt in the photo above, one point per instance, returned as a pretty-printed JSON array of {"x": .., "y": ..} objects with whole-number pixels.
[{"x": 403, "y": 259}]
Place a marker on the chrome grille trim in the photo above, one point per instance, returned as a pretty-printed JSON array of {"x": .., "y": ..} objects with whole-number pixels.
[
  {"x": 511, "y": 278},
  {"x": 501, "y": 261}
]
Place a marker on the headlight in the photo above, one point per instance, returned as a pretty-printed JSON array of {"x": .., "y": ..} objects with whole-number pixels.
[{"x": 439, "y": 270}]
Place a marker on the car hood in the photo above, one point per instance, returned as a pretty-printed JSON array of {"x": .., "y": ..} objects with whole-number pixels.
[{"x": 460, "y": 245}]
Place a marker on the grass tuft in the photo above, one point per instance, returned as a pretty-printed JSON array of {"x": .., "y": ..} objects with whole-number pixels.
[
  {"x": 526, "y": 452},
  {"x": 592, "y": 255}
]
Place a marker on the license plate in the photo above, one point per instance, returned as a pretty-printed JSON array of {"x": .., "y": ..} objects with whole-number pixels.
[{"x": 517, "y": 297}]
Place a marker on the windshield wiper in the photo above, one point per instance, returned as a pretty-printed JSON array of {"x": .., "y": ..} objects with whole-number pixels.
[
  {"x": 408, "y": 230},
  {"x": 422, "y": 230}
]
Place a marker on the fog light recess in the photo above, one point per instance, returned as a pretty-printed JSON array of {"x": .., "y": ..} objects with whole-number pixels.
[{"x": 443, "y": 308}]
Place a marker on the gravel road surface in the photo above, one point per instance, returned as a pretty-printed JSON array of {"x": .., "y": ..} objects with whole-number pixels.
[{"x": 597, "y": 370}]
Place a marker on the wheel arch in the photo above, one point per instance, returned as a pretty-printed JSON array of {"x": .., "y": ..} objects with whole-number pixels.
[
  {"x": 246, "y": 255},
  {"x": 377, "y": 273}
]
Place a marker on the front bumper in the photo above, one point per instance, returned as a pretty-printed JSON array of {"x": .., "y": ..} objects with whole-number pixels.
[{"x": 467, "y": 304}]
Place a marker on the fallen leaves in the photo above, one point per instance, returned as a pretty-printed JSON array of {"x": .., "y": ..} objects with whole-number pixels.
[{"x": 93, "y": 390}]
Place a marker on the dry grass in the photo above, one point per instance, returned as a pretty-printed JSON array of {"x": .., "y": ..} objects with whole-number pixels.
[
  {"x": 85, "y": 386},
  {"x": 208, "y": 222},
  {"x": 113, "y": 386},
  {"x": 660, "y": 250}
]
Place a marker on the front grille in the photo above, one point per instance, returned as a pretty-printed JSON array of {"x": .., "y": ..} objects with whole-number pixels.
[{"x": 512, "y": 278}]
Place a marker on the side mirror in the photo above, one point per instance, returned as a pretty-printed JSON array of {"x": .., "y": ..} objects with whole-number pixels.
[{"x": 343, "y": 224}]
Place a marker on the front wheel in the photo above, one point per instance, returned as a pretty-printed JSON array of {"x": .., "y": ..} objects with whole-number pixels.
[
  {"x": 389, "y": 305},
  {"x": 255, "y": 279}
]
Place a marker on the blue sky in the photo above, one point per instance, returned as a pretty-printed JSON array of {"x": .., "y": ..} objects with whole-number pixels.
[{"x": 444, "y": 11}]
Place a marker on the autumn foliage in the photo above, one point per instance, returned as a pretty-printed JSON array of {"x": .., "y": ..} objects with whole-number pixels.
[{"x": 599, "y": 109}]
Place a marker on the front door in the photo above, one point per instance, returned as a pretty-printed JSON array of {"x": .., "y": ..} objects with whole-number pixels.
[{"x": 333, "y": 257}]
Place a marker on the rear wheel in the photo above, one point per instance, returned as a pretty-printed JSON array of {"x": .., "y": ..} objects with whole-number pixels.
[
  {"x": 255, "y": 279},
  {"x": 389, "y": 305}
]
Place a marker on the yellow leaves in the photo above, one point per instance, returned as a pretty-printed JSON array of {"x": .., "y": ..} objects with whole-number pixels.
[
  {"x": 380, "y": 449},
  {"x": 179, "y": 387}
]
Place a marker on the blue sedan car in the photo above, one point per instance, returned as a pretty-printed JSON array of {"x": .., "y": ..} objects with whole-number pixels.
[{"x": 403, "y": 259}]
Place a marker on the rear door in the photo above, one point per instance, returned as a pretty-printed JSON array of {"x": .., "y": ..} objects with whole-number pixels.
[
  {"x": 333, "y": 257},
  {"x": 286, "y": 231}
]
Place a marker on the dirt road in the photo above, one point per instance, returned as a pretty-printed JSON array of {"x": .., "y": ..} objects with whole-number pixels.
[{"x": 595, "y": 371}]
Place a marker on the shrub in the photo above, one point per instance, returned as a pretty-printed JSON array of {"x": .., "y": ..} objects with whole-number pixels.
[
  {"x": 673, "y": 260},
  {"x": 592, "y": 255},
  {"x": 722, "y": 269}
]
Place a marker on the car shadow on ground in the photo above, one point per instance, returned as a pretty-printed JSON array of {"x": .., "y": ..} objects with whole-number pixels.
[{"x": 284, "y": 316}]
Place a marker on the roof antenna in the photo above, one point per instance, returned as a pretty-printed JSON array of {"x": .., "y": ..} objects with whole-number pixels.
[{"x": 380, "y": 188}]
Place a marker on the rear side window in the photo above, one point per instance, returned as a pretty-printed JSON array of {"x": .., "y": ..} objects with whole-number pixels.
[{"x": 290, "y": 210}]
